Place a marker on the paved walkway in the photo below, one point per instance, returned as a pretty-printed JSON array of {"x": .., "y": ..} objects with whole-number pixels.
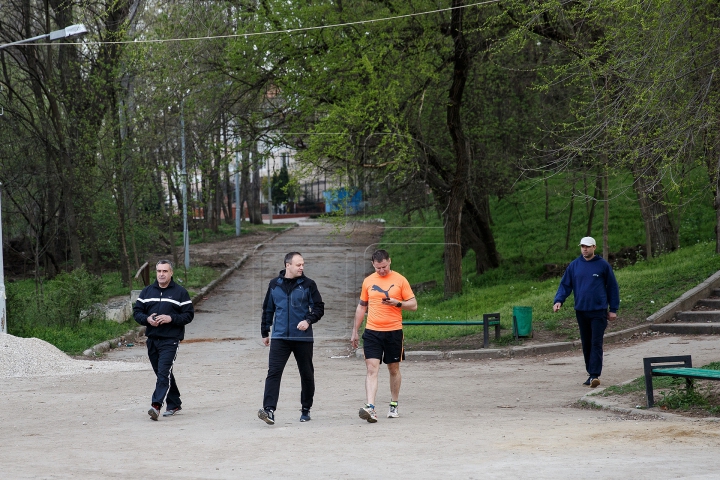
[{"x": 500, "y": 418}]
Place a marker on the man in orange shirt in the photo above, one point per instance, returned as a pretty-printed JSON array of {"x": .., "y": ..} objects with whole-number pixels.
[{"x": 385, "y": 294}]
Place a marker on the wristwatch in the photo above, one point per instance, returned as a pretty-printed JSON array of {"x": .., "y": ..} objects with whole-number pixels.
[{"x": 399, "y": 304}]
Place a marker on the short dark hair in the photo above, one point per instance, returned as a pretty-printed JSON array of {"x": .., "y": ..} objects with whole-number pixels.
[
  {"x": 290, "y": 256},
  {"x": 165, "y": 262},
  {"x": 380, "y": 256}
]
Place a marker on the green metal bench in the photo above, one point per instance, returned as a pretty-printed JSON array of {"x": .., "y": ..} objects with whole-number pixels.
[
  {"x": 675, "y": 366},
  {"x": 489, "y": 319}
]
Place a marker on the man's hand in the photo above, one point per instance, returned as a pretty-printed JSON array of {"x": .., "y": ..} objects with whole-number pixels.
[
  {"x": 156, "y": 320},
  {"x": 354, "y": 339},
  {"x": 556, "y": 307},
  {"x": 304, "y": 325},
  {"x": 266, "y": 341},
  {"x": 611, "y": 316}
]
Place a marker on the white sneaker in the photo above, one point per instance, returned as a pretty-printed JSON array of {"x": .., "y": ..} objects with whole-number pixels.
[
  {"x": 368, "y": 413},
  {"x": 393, "y": 413}
]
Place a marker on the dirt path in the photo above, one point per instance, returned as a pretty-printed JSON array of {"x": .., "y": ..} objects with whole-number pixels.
[{"x": 502, "y": 418}]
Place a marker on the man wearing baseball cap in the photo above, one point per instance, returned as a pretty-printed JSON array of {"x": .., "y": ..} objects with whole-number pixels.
[{"x": 592, "y": 280}]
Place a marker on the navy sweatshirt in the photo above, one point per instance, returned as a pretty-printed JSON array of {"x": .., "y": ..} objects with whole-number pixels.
[{"x": 593, "y": 282}]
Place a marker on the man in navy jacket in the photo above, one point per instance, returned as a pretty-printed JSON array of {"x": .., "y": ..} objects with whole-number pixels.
[
  {"x": 593, "y": 281},
  {"x": 292, "y": 304},
  {"x": 164, "y": 308}
]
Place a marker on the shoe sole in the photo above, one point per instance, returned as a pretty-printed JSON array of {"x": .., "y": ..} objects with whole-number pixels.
[
  {"x": 153, "y": 414},
  {"x": 262, "y": 415},
  {"x": 594, "y": 383},
  {"x": 365, "y": 415},
  {"x": 390, "y": 415},
  {"x": 170, "y": 413}
]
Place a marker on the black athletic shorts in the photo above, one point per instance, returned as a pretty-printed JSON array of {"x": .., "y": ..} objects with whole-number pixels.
[{"x": 385, "y": 346}]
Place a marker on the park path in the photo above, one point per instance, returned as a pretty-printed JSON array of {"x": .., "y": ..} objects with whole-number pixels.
[
  {"x": 493, "y": 418},
  {"x": 333, "y": 258}
]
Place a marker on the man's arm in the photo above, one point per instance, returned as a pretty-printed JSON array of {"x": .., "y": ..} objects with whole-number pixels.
[
  {"x": 564, "y": 289},
  {"x": 410, "y": 304},
  {"x": 140, "y": 309},
  {"x": 318, "y": 308},
  {"x": 613, "y": 294},
  {"x": 268, "y": 313},
  {"x": 360, "y": 312}
]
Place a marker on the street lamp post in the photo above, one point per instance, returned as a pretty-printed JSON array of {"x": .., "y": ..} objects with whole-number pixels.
[
  {"x": 183, "y": 176},
  {"x": 238, "y": 206},
  {"x": 71, "y": 31}
]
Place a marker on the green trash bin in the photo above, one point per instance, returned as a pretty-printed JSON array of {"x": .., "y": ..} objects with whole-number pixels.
[{"x": 522, "y": 321}]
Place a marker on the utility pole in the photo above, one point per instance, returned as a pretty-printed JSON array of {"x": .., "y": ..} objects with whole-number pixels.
[
  {"x": 269, "y": 191},
  {"x": 238, "y": 205},
  {"x": 183, "y": 176}
]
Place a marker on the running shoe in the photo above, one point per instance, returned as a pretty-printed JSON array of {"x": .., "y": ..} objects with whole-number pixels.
[
  {"x": 267, "y": 416},
  {"x": 368, "y": 413},
  {"x": 154, "y": 413},
  {"x": 171, "y": 411},
  {"x": 305, "y": 415},
  {"x": 393, "y": 413}
]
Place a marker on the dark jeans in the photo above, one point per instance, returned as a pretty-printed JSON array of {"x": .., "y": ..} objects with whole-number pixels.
[
  {"x": 279, "y": 354},
  {"x": 592, "y": 326},
  {"x": 162, "y": 353}
]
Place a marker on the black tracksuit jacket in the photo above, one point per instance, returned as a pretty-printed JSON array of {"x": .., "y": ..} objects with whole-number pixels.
[{"x": 172, "y": 300}]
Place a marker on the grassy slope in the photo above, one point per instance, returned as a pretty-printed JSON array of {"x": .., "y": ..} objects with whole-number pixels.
[{"x": 526, "y": 241}]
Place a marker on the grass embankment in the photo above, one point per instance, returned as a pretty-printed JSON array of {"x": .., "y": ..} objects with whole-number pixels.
[
  {"x": 527, "y": 240},
  {"x": 50, "y": 311}
]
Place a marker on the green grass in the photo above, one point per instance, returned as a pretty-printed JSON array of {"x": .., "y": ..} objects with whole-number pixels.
[
  {"x": 74, "y": 340},
  {"x": 28, "y": 317},
  {"x": 673, "y": 394},
  {"x": 526, "y": 241},
  {"x": 224, "y": 232}
]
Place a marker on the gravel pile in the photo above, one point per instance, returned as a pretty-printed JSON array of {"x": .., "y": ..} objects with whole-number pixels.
[{"x": 32, "y": 357}]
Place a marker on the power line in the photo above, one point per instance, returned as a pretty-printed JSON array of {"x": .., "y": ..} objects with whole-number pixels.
[{"x": 275, "y": 32}]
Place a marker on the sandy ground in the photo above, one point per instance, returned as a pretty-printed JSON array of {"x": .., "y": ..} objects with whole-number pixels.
[{"x": 501, "y": 418}]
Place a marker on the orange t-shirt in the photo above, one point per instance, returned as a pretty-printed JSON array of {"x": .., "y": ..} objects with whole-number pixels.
[{"x": 384, "y": 318}]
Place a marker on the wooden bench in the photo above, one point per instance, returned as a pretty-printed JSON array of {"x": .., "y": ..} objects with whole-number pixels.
[
  {"x": 489, "y": 319},
  {"x": 675, "y": 366}
]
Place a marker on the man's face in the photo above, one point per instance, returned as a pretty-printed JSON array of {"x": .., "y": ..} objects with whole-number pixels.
[
  {"x": 295, "y": 268},
  {"x": 164, "y": 273},
  {"x": 588, "y": 251},
  {"x": 382, "y": 268}
]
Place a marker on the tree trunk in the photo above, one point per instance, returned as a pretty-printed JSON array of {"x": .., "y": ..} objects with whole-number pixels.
[
  {"x": 594, "y": 201},
  {"x": 606, "y": 214},
  {"x": 660, "y": 233},
  {"x": 254, "y": 207},
  {"x": 477, "y": 235},
  {"x": 570, "y": 216},
  {"x": 461, "y": 151}
]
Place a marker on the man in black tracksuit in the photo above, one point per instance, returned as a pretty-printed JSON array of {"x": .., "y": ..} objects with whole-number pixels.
[
  {"x": 164, "y": 308},
  {"x": 292, "y": 304}
]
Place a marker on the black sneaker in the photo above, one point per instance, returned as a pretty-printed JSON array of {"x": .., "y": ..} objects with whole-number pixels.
[
  {"x": 267, "y": 416},
  {"x": 305, "y": 415},
  {"x": 587, "y": 382}
]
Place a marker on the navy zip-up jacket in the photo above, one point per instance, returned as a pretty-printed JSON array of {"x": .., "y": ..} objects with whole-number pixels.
[
  {"x": 289, "y": 301},
  {"x": 172, "y": 300},
  {"x": 593, "y": 282}
]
